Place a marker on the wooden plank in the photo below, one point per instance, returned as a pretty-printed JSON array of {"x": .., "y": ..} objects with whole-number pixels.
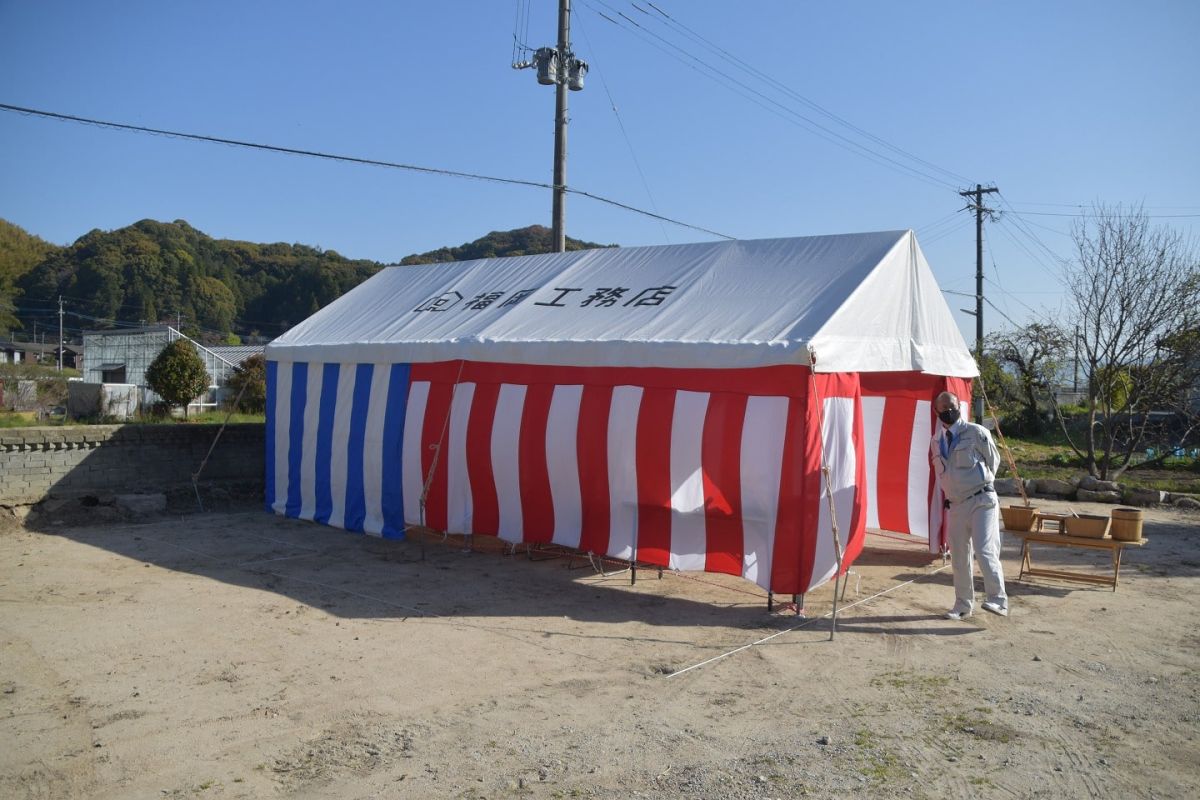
[
  {"x": 1063, "y": 540},
  {"x": 1071, "y": 576}
]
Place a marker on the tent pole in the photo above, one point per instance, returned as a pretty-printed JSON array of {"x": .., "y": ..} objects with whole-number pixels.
[
  {"x": 827, "y": 473},
  {"x": 437, "y": 454},
  {"x": 833, "y": 621}
]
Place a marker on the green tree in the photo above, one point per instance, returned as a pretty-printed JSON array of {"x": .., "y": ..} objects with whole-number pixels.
[
  {"x": 998, "y": 386},
  {"x": 214, "y": 304},
  {"x": 1033, "y": 355},
  {"x": 250, "y": 384},
  {"x": 177, "y": 374},
  {"x": 20, "y": 252}
]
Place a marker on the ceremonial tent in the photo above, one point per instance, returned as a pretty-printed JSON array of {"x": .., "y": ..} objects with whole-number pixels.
[{"x": 718, "y": 406}]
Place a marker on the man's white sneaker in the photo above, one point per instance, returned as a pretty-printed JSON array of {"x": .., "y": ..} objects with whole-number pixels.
[
  {"x": 956, "y": 614},
  {"x": 996, "y": 608}
]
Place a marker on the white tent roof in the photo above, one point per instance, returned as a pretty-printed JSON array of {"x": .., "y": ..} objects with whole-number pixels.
[{"x": 859, "y": 302}]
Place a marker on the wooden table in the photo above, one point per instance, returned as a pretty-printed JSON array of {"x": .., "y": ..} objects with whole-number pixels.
[{"x": 1116, "y": 546}]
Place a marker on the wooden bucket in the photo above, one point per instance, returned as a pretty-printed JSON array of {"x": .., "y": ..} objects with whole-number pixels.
[
  {"x": 1018, "y": 518},
  {"x": 1090, "y": 526},
  {"x": 1127, "y": 524}
]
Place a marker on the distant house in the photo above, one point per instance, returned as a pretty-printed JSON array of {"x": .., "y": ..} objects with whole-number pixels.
[
  {"x": 123, "y": 356},
  {"x": 38, "y": 353}
]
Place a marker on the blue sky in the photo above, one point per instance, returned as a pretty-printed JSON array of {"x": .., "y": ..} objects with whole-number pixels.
[{"x": 1060, "y": 104}]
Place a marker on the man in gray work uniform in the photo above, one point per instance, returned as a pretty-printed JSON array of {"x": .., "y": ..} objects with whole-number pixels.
[{"x": 966, "y": 460}]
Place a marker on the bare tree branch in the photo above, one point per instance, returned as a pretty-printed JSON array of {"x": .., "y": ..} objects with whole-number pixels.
[{"x": 1135, "y": 290}]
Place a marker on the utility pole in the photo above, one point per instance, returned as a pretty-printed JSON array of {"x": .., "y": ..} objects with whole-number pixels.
[
  {"x": 558, "y": 67},
  {"x": 976, "y": 195},
  {"x": 60, "y": 333},
  {"x": 560, "y": 134}
]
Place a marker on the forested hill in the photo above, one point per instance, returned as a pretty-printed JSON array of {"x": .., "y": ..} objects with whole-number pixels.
[
  {"x": 498, "y": 244},
  {"x": 20, "y": 252},
  {"x": 161, "y": 271}
]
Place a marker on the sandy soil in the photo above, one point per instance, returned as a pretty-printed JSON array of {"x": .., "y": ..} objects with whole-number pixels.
[{"x": 237, "y": 654}]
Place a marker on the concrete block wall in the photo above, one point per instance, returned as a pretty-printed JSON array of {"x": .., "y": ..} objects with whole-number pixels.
[{"x": 36, "y": 463}]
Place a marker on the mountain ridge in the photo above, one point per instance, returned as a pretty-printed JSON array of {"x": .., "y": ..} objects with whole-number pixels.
[{"x": 218, "y": 289}]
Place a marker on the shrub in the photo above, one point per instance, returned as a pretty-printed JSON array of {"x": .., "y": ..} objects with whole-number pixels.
[
  {"x": 250, "y": 382},
  {"x": 177, "y": 374}
]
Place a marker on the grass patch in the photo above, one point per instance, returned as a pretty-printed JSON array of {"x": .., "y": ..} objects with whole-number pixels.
[
  {"x": 980, "y": 726},
  {"x": 876, "y": 763},
  {"x": 1052, "y": 457},
  {"x": 18, "y": 419},
  {"x": 217, "y": 417},
  {"x": 928, "y": 685}
]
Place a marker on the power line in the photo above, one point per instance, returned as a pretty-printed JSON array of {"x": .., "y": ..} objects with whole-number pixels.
[
  {"x": 1043, "y": 227},
  {"x": 1019, "y": 222},
  {"x": 1032, "y": 255},
  {"x": 928, "y": 226},
  {"x": 621, "y": 124},
  {"x": 1086, "y": 213},
  {"x": 788, "y": 114},
  {"x": 963, "y": 222},
  {"x": 1089, "y": 206},
  {"x": 1013, "y": 296},
  {"x": 995, "y": 269},
  {"x": 370, "y": 162},
  {"x": 769, "y": 79},
  {"x": 1011, "y": 321}
]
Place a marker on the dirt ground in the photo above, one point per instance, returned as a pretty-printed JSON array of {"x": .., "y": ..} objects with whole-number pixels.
[{"x": 236, "y": 654}]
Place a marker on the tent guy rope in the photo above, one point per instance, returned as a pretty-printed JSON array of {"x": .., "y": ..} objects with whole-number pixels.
[
  {"x": 804, "y": 624},
  {"x": 1012, "y": 462},
  {"x": 437, "y": 450}
]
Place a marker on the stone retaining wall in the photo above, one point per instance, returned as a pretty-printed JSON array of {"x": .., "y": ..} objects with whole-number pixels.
[{"x": 36, "y": 463}]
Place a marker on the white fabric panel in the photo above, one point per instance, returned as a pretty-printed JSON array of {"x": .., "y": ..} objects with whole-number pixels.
[
  {"x": 936, "y": 511},
  {"x": 761, "y": 464},
  {"x": 283, "y": 424},
  {"x": 688, "y": 539},
  {"x": 622, "y": 470},
  {"x": 308, "y": 457},
  {"x": 373, "y": 450},
  {"x": 562, "y": 462},
  {"x": 872, "y": 410},
  {"x": 895, "y": 320},
  {"x": 838, "y": 438},
  {"x": 460, "y": 511},
  {"x": 506, "y": 460},
  {"x": 918, "y": 471},
  {"x": 412, "y": 478},
  {"x": 339, "y": 456},
  {"x": 862, "y": 302}
]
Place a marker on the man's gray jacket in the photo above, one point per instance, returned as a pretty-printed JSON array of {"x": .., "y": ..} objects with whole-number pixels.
[{"x": 970, "y": 463}]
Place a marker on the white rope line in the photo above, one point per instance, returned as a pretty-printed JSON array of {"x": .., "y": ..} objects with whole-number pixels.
[
  {"x": 804, "y": 624},
  {"x": 281, "y": 558},
  {"x": 217, "y": 438}
]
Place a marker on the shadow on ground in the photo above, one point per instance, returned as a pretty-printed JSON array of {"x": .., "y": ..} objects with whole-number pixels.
[{"x": 355, "y": 576}]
